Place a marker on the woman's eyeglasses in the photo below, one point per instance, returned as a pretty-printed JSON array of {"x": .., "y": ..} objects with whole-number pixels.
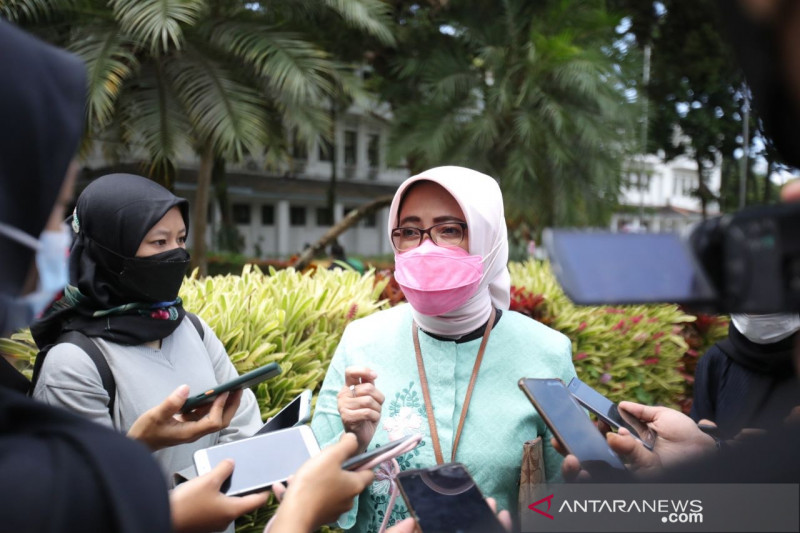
[{"x": 444, "y": 234}]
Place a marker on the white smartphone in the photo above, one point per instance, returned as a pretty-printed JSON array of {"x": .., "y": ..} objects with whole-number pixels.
[
  {"x": 261, "y": 461},
  {"x": 296, "y": 412}
]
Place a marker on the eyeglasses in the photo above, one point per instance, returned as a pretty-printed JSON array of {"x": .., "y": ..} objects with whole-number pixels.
[{"x": 444, "y": 234}]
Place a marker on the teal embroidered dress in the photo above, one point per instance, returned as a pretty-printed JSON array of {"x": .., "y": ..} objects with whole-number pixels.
[{"x": 500, "y": 417}]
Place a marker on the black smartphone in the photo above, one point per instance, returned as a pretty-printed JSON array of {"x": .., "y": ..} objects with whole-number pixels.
[
  {"x": 601, "y": 268},
  {"x": 570, "y": 424},
  {"x": 445, "y": 499},
  {"x": 296, "y": 412},
  {"x": 363, "y": 458},
  {"x": 261, "y": 461},
  {"x": 245, "y": 380},
  {"x": 607, "y": 411}
]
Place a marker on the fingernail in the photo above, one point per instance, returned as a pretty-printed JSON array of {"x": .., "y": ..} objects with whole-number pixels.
[
  {"x": 183, "y": 391},
  {"x": 373, "y": 374}
]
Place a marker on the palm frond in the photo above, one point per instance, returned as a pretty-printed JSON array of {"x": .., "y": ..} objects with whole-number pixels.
[
  {"x": 151, "y": 120},
  {"x": 221, "y": 109},
  {"x": 157, "y": 23},
  {"x": 292, "y": 66},
  {"x": 110, "y": 61},
  {"x": 32, "y": 10},
  {"x": 372, "y": 16}
]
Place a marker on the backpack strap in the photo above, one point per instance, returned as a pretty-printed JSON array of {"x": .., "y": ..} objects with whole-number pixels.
[
  {"x": 90, "y": 348},
  {"x": 197, "y": 324}
]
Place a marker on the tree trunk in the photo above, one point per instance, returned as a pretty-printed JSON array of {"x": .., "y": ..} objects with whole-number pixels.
[
  {"x": 200, "y": 219},
  {"x": 332, "y": 184},
  {"x": 702, "y": 190},
  {"x": 767, "y": 182},
  {"x": 350, "y": 220},
  {"x": 228, "y": 238}
]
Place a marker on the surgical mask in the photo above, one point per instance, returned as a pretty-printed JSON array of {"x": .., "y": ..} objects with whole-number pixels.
[
  {"x": 156, "y": 278},
  {"x": 766, "y": 329},
  {"x": 437, "y": 279},
  {"x": 52, "y": 264}
]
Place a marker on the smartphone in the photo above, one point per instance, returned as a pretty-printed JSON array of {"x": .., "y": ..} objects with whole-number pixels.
[
  {"x": 245, "y": 380},
  {"x": 296, "y": 412},
  {"x": 361, "y": 459},
  {"x": 570, "y": 425},
  {"x": 445, "y": 499},
  {"x": 607, "y": 411},
  {"x": 601, "y": 268},
  {"x": 261, "y": 461}
]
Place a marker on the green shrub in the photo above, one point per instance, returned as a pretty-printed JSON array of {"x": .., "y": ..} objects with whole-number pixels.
[{"x": 626, "y": 352}]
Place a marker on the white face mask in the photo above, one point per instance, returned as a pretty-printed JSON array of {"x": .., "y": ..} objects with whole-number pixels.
[
  {"x": 52, "y": 263},
  {"x": 767, "y": 329}
]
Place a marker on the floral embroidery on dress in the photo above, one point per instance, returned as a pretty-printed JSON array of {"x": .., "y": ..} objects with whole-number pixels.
[{"x": 406, "y": 417}]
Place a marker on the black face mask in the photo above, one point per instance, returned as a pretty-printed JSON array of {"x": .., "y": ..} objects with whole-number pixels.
[{"x": 156, "y": 278}]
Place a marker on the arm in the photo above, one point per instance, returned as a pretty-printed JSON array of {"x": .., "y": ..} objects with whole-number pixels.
[{"x": 247, "y": 418}]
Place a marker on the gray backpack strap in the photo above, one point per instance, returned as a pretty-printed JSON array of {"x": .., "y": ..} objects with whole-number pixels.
[{"x": 197, "y": 324}]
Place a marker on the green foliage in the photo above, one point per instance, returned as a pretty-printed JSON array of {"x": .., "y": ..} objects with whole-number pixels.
[
  {"x": 627, "y": 352},
  {"x": 531, "y": 93},
  {"x": 294, "y": 319}
]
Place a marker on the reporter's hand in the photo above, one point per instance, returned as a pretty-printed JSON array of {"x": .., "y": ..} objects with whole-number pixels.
[
  {"x": 678, "y": 439},
  {"x": 163, "y": 426},
  {"x": 320, "y": 491},
  {"x": 198, "y": 505},
  {"x": 360, "y": 408}
]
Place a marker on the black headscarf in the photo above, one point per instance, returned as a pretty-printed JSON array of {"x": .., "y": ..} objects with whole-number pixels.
[
  {"x": 58, "y": 472},
  {"x": 112, "y": 216},
  {"x": 42, "y": 94}
]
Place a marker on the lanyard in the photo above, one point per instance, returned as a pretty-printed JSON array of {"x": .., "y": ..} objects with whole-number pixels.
[{"x": 437, "y": 449}]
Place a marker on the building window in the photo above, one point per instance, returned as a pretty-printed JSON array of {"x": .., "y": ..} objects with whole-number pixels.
[
  {"x": 267, "y": 215},
  {"x": 324, "y": 217},
  {"x": 325, "y": 150},
  {"x": 297, "y": 216},
  {"x": 374, "y": 151},
  {"x": 241, "y": 213},
  {"x": 350, "y": 147}
]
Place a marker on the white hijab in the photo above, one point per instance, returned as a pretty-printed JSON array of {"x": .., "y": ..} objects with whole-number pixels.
[{"x": 481, "y": 201}]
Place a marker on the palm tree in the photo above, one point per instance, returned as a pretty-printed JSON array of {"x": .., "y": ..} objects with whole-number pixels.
[
  {"x": 224, "y": 78},
  {"x": 532, "y": 93}
]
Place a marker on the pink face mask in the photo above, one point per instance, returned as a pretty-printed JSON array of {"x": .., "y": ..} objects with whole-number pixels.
[{"x": 435, "y": 280}]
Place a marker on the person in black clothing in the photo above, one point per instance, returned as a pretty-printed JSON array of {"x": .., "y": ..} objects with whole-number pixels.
[{"x": 739, "y": 376}]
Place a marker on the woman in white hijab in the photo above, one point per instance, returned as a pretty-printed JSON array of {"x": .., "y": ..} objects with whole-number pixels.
[{"x": 447, "y": 365}]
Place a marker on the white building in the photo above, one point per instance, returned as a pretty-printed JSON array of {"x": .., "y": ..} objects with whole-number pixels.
[
  {"x": 278, "y": 212},
  {"x": 659, "y": 196}
]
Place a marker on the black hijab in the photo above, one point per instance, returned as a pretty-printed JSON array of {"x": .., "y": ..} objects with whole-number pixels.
[
  {"x": 58, "y": 472},
  {"x": 112, "y": 216},
  {"x": 42, "y": 94}
]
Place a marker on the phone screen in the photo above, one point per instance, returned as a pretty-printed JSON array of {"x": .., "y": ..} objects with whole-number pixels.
[
  {"x": 569, "y": 423},
  {"x": 290, "y": 415},
  {"x": 262, "y": 460},
  {"x": 445, "y": 499},
  {"x": 245, "y": 380},
  {"x": 607, "y": 411},
  {"x": 596, "y": 268}
]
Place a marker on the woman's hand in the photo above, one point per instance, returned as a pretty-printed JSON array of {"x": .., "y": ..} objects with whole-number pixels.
[
  {"x": 359, "y": 404},
  {"x": 163, "y": 426},
  {"x": 320, "y": 491},
  {"x": 198, "y": 505}
]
